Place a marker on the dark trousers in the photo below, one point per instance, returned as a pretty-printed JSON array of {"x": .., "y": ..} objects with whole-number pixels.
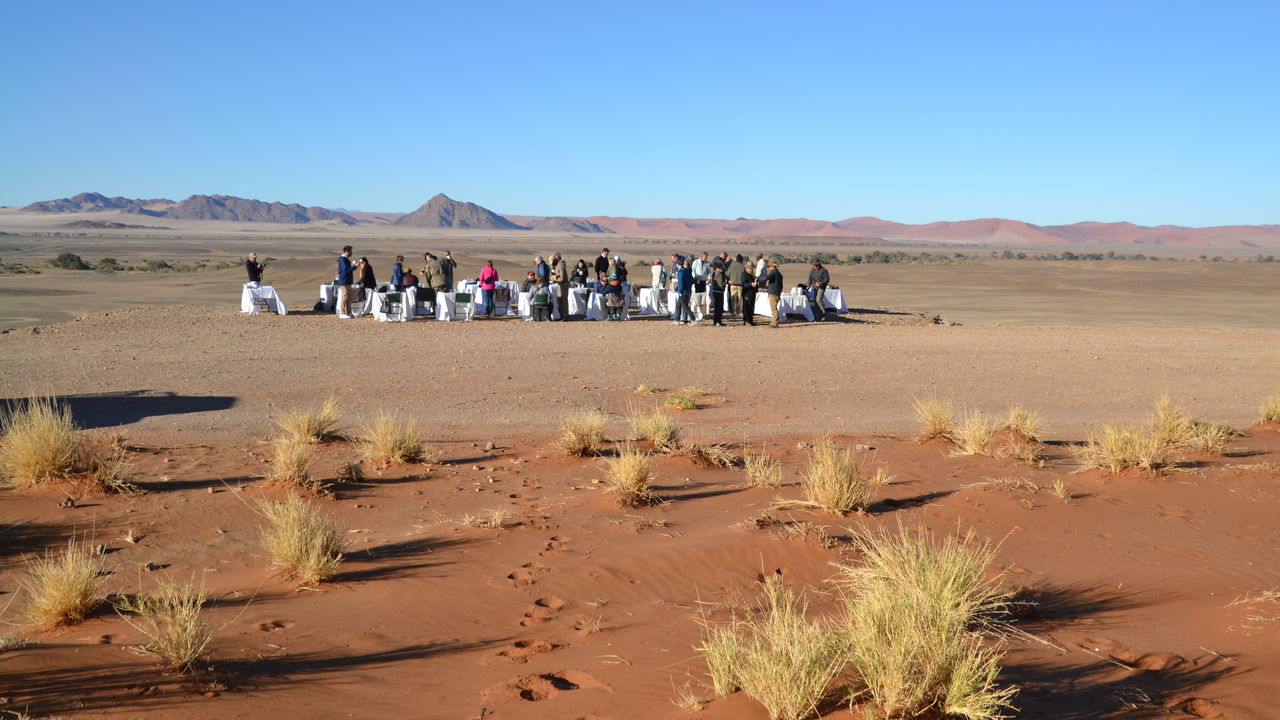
[
  {"x": 683, "y": 312},
  {"x": 748, "y": 305},
  {"x": 820, "y": 301},
  {"x": 717, "y": 305}
]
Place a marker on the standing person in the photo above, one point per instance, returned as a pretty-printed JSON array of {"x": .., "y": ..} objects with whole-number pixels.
[
  {"x": 719, "y": 283},
  {"x": 677, "y": 262},
  {"x": 488, "y": 281},
  {"x": 447, "y": 266},
  {"x": 542, "y": 270},
  {"x": 560, "y": 276},
  {"x": 819, "y": 279},
  {"x": 342, "y": 282},
  {"x": 701, "y": 273},
  {"x": 433, "y": 273},
  {"x": 580, "y": 273},
  {"x": 602, "y": 264},
  {"x": 397, "y": 273},
  {"x": 254, "y": 268},
  {"x": 367, "y": 281},
  {"x": 684, "y": 288},
  {"x": 748, "y": 295},
  {"x": 773, "y": 285},
  {"x": 733, "y": 269},
  {"x": 658, "y": 272},
  {"x": 761, "y": 266}
]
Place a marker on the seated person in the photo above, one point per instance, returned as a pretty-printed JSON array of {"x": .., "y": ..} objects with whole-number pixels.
[
  {"x": 408, "y": 279},
  {"x": 529, "y": 283}
]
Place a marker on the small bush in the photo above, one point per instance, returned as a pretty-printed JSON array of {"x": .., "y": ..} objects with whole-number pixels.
[
  {"x": 62, "y": 588},
  {"x": 1212, "y": 438},
  {"x": 708, "y": 454},
  {"x": 681, "y": 402},
  {"x": 777, "y": 656},
  {"x": 835, "y": 481},
  {"x": 302, "y": 539},
  {"x": 170, "y": 618},
  {"x": 1170, "y": 423},
  {"x": 1269, "y": 410},
  {"x": 582, "y": 433},
  {"x": 658, "y": 429},
  {"x": 646, "y": 389},
  {"x": 289, "y": 462},
  {"x": 69, "y": 261},
  {"x": 762, "y": 468},
  {"x": 40, "y": 442},
  {"x": 1120, "y": 447},
  {"x": 628, "y": 477},
  {"x": 490, "y": 520},
  {"x": 974, "y": 435},
  {"x": 311, "y": 425},
  {"x": 936, "y": 417},
  {"x": 1018, "y": 447},
  {"x": 1023, "y": 422},
  {"x": 388, "y": 439}
]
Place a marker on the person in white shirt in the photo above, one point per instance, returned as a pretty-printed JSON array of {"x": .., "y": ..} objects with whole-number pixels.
[
  {"x": 701, "y": 272},
  {"x": 760, "y": 265},
  {"x": 657, "y": 271}
]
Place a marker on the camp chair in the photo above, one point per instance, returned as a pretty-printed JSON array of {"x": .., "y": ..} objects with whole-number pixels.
[
  {"x": 541, "y": 306},
  {"x": 502, "y": 300},
  {"x": 262, "y": 304},
  {"x": 462, "y": 305},
  {"x": 393, "y": 306}
]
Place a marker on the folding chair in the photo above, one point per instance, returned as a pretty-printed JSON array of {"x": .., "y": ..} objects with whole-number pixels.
[
  {"x": 263, "y": 305},
  {"x": 541, "y": 305},
  {"x": 502, "y": 300},
  {"x": 393, "y": 306},
  {"x": 462, "y": 305}
]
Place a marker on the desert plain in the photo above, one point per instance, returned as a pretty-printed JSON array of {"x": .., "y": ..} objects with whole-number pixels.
[{"x": 1145, "y": 594}]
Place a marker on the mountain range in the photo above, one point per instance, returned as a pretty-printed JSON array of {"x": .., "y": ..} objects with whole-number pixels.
[{"x": 442, "y": 211}]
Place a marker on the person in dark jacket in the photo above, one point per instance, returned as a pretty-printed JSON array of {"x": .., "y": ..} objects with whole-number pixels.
[
  {"x": 342, "y": 282},
  {"x": 254, "y": 268},
  {"x": 717, "y": 284},
  {"x": 733, "y": 270},
  {"x": 408, "y": 280},
  {"x": 748, "y": 295},
  {"x": 366, "y": 281},
  {"x": 773, "y": 285},
  {"x": 580, "y": 273},
  {"x": 447, "y": 266},
  {"x": 819, "y": 279},
  {"x": 684, "y": 289},
  {"x": 397, "y": 273},
  {"x": 542, "y": 270},
  {"x": 602, "y": 264}
]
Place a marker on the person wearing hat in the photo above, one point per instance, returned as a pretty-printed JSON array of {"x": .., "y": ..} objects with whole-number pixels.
[
  {"x": 819, "y": 279},
  {"x": 254, "y": 268},
  {"x": 772, "y": 281}
]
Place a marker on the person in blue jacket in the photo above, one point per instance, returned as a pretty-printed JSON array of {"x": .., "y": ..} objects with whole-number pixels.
[
  {"x": 397, "y": 273},
  {"x": 684, "y": 288},
  {"x": 342, "y": 282}
]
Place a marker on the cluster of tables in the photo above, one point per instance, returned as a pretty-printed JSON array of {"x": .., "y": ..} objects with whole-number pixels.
[{"x": 583, "y": 301}]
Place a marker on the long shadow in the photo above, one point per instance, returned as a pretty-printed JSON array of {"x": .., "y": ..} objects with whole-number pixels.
[
  {"x": 158, "y": 486},
  {"x": 666, "y": 492},
  {"x": 411, "y": 551},
  {"x": 24, "y": 539},
  {"x": 1050, "y": 604},
  {"x": 888, "y": 504},
  {"x": 123, "y": 408}
]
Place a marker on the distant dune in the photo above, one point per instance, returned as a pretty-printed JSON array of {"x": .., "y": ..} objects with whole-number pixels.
[{"x": 196, "y": 207}]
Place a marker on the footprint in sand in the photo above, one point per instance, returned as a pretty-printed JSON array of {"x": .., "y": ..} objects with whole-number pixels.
[
  {"x": 520, "y": 651},
  {"x": 1202, "y": 708},
  {"x": 273, "y": 625},
  {"x": 555, "y": 545},
  {"x": 536, "y": 688},
  {"x": 526, "y": 574},
  {"x": 543, "y": 610},
  {"x": 1155, "y": 662}
]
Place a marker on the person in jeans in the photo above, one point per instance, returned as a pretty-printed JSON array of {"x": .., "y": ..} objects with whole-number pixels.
[
  {"x": 488, "y": 281},
  {"x": 346, "y": 273},
  {"x": 819, "y": 279},
  {"x": 773, "y": 285},
  {"x": 397, "y": 273},
  {"x": 684, "y": 288},
  {"x": 718, "y": 284},
  {"x": 748, "y": 294}
]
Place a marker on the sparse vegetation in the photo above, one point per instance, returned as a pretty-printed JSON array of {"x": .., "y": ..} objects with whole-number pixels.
[
  {"x": 708, "y": 454},
  {"x": 490, "y": 520},
  {"x": 289, "y": 461},
  {"x": 63, "y": 587},
  {"x": 582, "y": 433},
  {"x": 69, "y": 261},
  {"x": 1269, "y": 410},
  {"x": 777, "y": 656},
  {"x": 1120, "y": 447},
  {"x": 628, "y": 477},
  {"x": 40, "y": 443},
  {"x": 646, "y": 389},
  {"x": 311, "y": 424},
  {"x": 914, "y": 609},
  {"x": 936, "y": 416},
  {"x": 762, "y": 468},
  {"x": 388, "y": 439},
  {"x": 1061, "y": 491},
  {"x": 170, "y": 618},
  {"x": 1018, "y": 447},
  {"x": 302, "y": 539},
  {"x": 974, "y": 435},
  {"x": 1170, "y": 424},
  {"x": 680, "y": 401},
  {"x": 1023, "y": 422},
  {"x": 835, "y": 481},
  {"x": 658, "y": 428}
]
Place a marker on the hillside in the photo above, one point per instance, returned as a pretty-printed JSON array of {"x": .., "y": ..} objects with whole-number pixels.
[
  {"x": 93, "y": 202},
  {"x": 196, "y": 207},
  {"x": 442, "y": 211}
]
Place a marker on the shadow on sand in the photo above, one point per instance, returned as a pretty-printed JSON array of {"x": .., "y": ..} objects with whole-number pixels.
[{"x": 123, "y": 408}]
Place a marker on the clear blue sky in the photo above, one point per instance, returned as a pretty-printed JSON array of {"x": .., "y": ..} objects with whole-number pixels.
[{"x": 1152, "y": 112}]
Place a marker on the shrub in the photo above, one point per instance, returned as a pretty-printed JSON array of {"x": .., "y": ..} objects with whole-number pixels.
[
  {"x": 289, "y": 462},
  {"x": 681, "y": 402},
  {"x": 311, "y": 424},
  {"x": 1212, "y": 438},
  {"x": 62, "y": 588},
  {"x": 835, "y": 481},
  {"x": 708, "y": 454},
  {"x": 974, "y": 435},
  {"x": 1119, "y": 447},
  {"x": 778, "y": 657},
  {"x": 1269, "y": 410},
  {"x": 913, "y": 611},
  {"x": 108, "y": 264},
  {"x": 646, "y": 389},
  {"x": 1170, "y": 423},
  {"x": 936, "y": 416},
  {"x": 1020, "y": 448},
  {"x": 628, "y": 477},
  {"x": 762, "y": 468},
  {"x": 40, "y": 443},
  {"x": 170, "y": 618},
  {"x": 582, "y": 433},
  {"x": 658, "y": 429},
  {"x": 69, "y": 261},
  {"x": 387, "y": 439},
  {"x": 302, "y": 539},
  {"x": 1023, "y": 422}
]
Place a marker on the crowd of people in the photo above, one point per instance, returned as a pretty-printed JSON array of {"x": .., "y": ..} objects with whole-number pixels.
[{"x": 734, "y": 281}]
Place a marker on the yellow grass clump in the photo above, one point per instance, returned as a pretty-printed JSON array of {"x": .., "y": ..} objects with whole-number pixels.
[
  {"x": 1024, "y": 422},
  {"x": 1120, "y": 447},
  {"x": 762, "y": 468},
  {"x": 913, "y": 612},
  {"x": 302, "y": 539},
  {"x": 658, "y": 428},
  {"x": 1269, "y": 410},
  {"x": 1170, "y": 423},
  {"x": 582, "y": 433},
  {"x": 289, "y": 463},
  {"x": 835, "y": 481},
  {"x": 974, "y": 435},
  {"x": 63, "y": 588},
  {"x": 388, "y": 439},
  {"x": 170, "y": 619},
  {"x": 39, "y": 443},
  {"x": 680, "y": 401},
  {"x": 936, "y": 416},
  {"x": 777, "y": 656},
  {"x": 628, "y": 477},
  {"x": 708, "y": 454},
  {"x": 311, "y": 424},
  {"x": 646, "y": 389}
]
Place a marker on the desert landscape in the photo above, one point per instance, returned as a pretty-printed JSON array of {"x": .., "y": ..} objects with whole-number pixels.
[{"x": 500, "y": 566}]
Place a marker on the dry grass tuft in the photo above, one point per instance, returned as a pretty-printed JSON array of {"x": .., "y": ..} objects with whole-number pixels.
[
  {"x": 835, "y": 481},
  {"x": 658, "y": 428},
  {"x": 628, "y": 477},
  {"x": 1212, "y": 438},
  {"x": 1120, "y": 447},
  {"x": 1024, "y": 422},
  {"x": 1018, "y": 447},
  {"x": 1061, "y": 491},
  {"x": 936, "y": 416},
  {"x": 1170, "y": 423},
  {"x": 388, "y": 439},
  {"x": 62, "y": 588},
  {"x": 302, "y": 539},
  {"x": 1269, "y": 410},
  {"x": 312, "y": 424},
  {"x": 681, "y": 402},
  {"x": 289, "y": 463},
  {"x": 489, "y": 520},
  {"x": 708, "y": 454},
  {"x": 974, "y": 435},
  {"x": 914, "y": 608},
  {"x": 170, "y": 619},
  {"x": 646, "y": 390},
  {"x": 777, "y": 656},
  {"x": 582, "y": 433},
  {"x": 40, "y": 443},
  {"x": 762, "y": 468}
]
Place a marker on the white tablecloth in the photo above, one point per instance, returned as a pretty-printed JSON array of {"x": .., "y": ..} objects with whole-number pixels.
[
  {"x": 833, "y": 299},
  {"x": 524, "y": 305},
  {"x": 261, "y": 292},
  {"x": 651, "y": 301},
  {"x": 787, "y": 304},
  {"x": 477, "y": 300},
  {"x": 407, "y": 300},
  {"x": 699, "y": 304}
]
